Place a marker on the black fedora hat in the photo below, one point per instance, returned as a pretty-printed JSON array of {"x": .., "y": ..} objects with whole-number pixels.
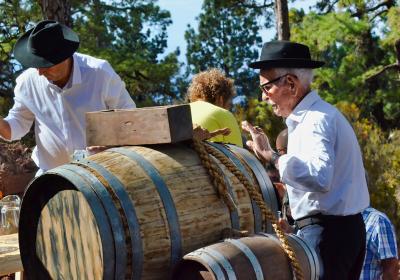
[
  {"x": 45, "y": 45},
  {"x": 285, "y": 54}
]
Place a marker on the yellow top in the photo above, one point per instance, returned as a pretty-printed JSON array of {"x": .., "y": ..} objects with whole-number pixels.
[{"x": 212, "y": 118}]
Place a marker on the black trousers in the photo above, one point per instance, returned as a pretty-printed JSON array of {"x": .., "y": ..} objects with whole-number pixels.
[{"x": 342, "y": 247}]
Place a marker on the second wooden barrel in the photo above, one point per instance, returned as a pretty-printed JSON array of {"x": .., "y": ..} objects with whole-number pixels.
[
  {"x": 132, "y": 212},
  {"x": 257, "y": 257}
]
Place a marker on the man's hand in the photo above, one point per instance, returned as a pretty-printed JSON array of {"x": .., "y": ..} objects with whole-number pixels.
[
  {"x": 259, "y": 143},
  {"x": 96, "y": 149},
  {"x": 390, "y": 269},
  {"x": 5, "y": 129}
]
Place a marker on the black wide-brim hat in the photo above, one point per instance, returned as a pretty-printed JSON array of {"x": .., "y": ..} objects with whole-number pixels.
[
  {"x": 285, "y": 54},
  {"x": 46, "y": 45}
]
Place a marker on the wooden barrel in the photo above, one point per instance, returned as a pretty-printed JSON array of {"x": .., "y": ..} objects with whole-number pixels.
[
  {"x": 258, "y": 257},
  {"x": 131, "y": 212}
]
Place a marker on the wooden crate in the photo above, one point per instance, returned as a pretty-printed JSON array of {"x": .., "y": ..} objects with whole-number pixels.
[{"x": 151, "y": 125}]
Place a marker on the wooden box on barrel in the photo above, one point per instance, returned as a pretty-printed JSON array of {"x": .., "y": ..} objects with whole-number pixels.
[{"x": 152, "y": 125}]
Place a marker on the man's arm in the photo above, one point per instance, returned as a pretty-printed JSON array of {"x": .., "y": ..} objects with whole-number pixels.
[
  {"x": 390, "y": 269},
  {"x": 5, "y": 129},
  {"x": 17, "y": 123}
]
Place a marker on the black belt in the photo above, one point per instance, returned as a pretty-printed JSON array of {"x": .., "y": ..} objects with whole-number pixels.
[
  {"x": 307, "y": 221},
  {"x": 319, "y": 219}
]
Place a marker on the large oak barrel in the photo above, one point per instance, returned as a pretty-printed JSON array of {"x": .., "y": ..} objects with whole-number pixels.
[
  {"x": 132, "y": 212},
  {"x": 259, "y": 257}
]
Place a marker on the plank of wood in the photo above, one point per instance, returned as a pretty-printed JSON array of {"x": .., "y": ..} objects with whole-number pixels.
[
  {"x": 10, "y": 261},
  {"x": 151, "y": 125}
]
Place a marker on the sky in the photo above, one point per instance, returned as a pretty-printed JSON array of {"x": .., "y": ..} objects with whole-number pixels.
[{"x": 184, "y": 12}]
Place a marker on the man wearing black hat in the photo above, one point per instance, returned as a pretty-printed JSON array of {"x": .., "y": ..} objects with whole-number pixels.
[
  {"x": 56, "y": 91},
  {"x": 323, "y": 168}
]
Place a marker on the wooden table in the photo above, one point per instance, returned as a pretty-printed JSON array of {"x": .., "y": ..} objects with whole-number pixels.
[{"x": 10, "y": 261}]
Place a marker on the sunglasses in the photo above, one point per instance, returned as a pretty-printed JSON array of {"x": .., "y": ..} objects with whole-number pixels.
[{"x": 265, "y": 87}]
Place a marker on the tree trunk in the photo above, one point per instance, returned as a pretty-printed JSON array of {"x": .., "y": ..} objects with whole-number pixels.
[
  {"x": 282, "y": 19},
  {"x": 59, "y": 10}
]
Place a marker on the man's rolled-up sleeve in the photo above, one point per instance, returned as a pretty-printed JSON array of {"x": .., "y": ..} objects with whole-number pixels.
[
  {"x": 20, "y": 119},
  {"x": 386, "y": 239}
]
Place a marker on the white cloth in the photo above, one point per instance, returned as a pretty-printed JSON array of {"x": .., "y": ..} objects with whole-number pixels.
[
  {"x": 323, "y": 167},
  {"x": 59, "y": 114}
]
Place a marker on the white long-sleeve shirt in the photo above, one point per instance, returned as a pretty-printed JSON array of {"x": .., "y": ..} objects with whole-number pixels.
[
  {"x": 59, "y": 114},
  {"x": 323, "y": 168}
]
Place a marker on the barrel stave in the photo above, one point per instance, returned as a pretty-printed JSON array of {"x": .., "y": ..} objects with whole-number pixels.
[{"x": 77, "y": 242}]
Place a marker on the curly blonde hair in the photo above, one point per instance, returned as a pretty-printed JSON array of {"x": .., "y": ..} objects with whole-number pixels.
[{"x": 209, "y": 85}]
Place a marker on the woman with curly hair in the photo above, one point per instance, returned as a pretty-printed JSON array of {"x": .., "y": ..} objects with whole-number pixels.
[{"x": 210, "y": 94}]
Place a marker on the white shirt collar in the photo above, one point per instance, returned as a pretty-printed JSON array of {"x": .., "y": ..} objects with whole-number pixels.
[
  {"x": 76, "y": 73},
  {"x": 74, "y": 79},
  {"x": 301, "y": 109}
]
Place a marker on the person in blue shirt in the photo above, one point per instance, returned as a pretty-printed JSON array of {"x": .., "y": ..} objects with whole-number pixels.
[{"x": 381, "y": 258}]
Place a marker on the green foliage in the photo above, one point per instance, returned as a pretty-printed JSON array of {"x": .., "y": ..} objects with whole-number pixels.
[
  {"x": 356, "y": 43},
  {"x": 227, "y": 38},
  {"x": 132, "y": 36},
  {"x": 14, "y": 17},
  {"x": 393, "y": 28}
]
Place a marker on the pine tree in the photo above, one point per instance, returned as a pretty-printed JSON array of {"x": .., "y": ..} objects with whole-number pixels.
[{"x": 227, "y": 38}]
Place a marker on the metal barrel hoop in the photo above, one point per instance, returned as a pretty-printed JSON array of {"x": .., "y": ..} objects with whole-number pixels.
[
  {"x": 127, "y": 213},
  {"x": 250, "y": 255},
  {"x": 266, "y": 187},
  {"x": 166, "y": 199}
]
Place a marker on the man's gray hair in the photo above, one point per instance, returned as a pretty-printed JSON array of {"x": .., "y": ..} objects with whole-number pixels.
[{"x": 305, "y": 75}]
